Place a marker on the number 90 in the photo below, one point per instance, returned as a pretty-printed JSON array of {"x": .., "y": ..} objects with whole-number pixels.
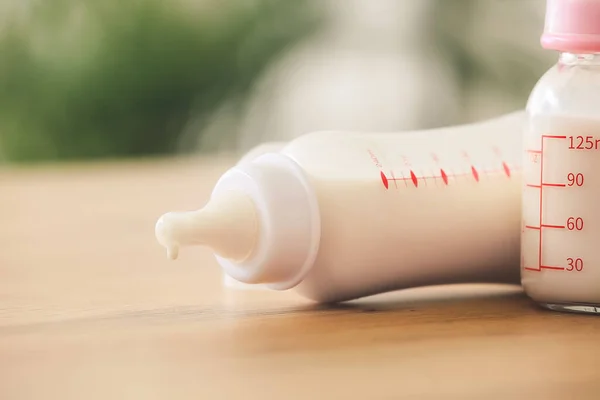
[{"x": 575, "y": 179}]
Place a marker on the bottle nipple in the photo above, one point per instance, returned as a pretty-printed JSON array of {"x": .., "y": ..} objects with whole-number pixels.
[{"x": 228, "y": 224}]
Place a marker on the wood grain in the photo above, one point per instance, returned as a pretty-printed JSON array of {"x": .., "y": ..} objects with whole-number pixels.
[{"x": 90, "y": 308}]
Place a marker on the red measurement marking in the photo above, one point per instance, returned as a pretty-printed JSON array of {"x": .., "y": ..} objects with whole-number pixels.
[
  {"x": 404, "y": 179},
  {"x": 554, "y": 184},
  {"x": 534, "y": 158},
  {"x": 506, "y": 169},
  {"x": 534, "y": 151},
  {"x": 394, "y": 179},
  {"x": 444, "y": 176},
  {"x": 414, "y": 179},
  {"x": 374, "y": 158},
  {"x": 552, "y": 137},
  {"x": 551, "y": 267},
  {"x": 542, "y": 267},
  {"x": 533, "y": 186},
  {"x": 585, "y": 143},
  {"x": 542, "y": 196},
  {"x": 532, "y": 269},
  {"x": 384, "y": 180},
  {"x": 435, "y": 178},
  {"x": 475, "y": 174},
  {"x": 541, "y": 193},
  {"x": 545, "y": 226},
  {"x": 453, "y": 174}
]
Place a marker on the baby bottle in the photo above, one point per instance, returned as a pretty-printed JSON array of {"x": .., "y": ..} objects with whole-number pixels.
[
  {"x": 560, "y": 257},
  {"x": 340, "y": 215}
]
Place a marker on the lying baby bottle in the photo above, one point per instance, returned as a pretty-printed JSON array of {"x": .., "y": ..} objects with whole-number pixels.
[
  {"x": 342, "y": 215},
  {"x": 561, "y": 227}
]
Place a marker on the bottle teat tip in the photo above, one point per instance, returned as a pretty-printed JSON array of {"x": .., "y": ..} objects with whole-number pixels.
[
  {"x": 163, "y": 235},
  {"x": 172, "y": 252}
]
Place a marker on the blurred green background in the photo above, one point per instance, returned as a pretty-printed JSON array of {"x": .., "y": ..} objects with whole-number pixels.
[{"x": 89, "y": 79}]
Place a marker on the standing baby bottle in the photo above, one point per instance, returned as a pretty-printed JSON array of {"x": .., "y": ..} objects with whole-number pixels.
[{"x": 560, "y": 257}]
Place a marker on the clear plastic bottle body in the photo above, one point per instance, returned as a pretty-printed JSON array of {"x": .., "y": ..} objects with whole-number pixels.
[
  {"x": 560, "y": 265},
  {"x": 413, "y": 209}
]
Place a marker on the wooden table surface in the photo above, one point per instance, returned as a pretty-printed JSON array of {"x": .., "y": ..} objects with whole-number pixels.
[{"x": 90, "y": 308}]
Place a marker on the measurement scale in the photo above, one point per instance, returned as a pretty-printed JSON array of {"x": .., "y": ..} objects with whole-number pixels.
[
  {"x": 455, "y": 169},
  {"x": 560, "y": 225},
  {"x": 537, "y": 157}
]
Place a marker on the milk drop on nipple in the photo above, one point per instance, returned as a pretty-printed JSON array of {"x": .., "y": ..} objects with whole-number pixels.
[{"x": 227, "y": 224}]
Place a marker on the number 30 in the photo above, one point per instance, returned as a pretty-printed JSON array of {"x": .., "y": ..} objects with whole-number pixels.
[{"x": 574, "y": 264}]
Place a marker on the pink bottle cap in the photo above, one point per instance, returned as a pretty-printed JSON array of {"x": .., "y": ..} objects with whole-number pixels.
[{"x": 572, "y": 26}]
